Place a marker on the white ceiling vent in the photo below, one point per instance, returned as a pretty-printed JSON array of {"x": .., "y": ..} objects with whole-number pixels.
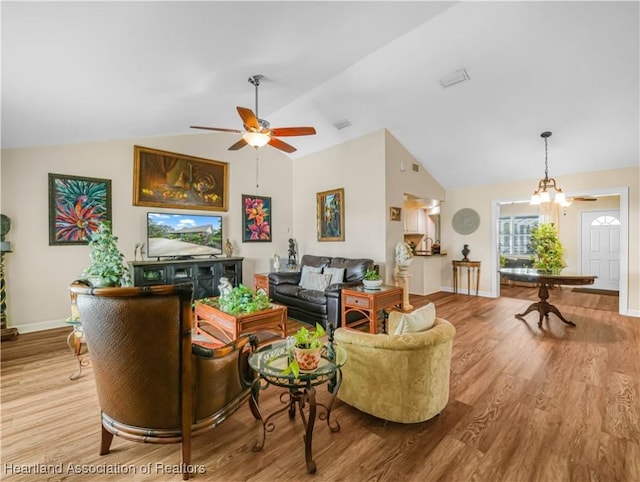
[
  {"x": 455, "y": 78},
  {"x": 341, "y": 124}
]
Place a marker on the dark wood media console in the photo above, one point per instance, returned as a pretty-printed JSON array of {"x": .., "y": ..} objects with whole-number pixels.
[{"x": 205, "y": 273}]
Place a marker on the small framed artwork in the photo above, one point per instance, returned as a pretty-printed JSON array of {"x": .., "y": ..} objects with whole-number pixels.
[
  {"x": 395, "y": 213},
  {"x": 256, "y": 219},
  {"x": 76, "y": 206},
  {"x": 330, "y": 214},
  {"x": 169, "y": 180}
]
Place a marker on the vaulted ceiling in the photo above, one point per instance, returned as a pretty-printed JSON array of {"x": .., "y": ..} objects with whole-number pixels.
[{"x": 89, "y": 71}]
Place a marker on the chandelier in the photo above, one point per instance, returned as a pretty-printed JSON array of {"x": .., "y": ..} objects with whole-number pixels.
[{"x": 543, "y": 194}]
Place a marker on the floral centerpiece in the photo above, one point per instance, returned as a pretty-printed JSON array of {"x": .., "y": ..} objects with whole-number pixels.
[
  {"x": 306, "y": 350},
  {"x": 547, "y": 249}
]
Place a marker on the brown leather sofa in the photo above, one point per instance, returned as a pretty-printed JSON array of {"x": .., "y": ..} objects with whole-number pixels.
[
  {"x": 311, "y": 306},
  {"x": 153, "y": 384}
]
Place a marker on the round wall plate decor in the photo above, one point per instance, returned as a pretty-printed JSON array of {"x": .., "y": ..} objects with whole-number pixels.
[{"x": 465, "y": 221}]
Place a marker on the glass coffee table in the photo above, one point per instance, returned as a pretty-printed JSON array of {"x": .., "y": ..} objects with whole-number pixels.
[{"x": 300, "y": 395}]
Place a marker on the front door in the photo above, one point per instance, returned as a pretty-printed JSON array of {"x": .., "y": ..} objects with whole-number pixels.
[{"x": 601, "y": 248}]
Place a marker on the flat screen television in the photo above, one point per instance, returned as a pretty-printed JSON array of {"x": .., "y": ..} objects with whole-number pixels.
[{"x": 183, "y": 235}]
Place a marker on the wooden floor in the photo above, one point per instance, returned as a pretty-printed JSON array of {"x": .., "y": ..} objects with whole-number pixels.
[{"x": 526, "y": 404}]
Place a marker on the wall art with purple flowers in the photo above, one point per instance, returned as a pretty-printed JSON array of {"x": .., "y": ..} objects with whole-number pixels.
[
  {"x": 76, "y": 206},
  {"x": 256, "y": 219}
]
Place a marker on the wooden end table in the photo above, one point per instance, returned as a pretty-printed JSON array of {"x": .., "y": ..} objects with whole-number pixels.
[
  {"x": 261, "y": 281},
  {"x": 273, "y": 318},
  {"x": 370, "y": 302}
]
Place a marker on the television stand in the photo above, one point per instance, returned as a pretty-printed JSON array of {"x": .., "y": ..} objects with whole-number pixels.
[{"x": 204, "y": 273}]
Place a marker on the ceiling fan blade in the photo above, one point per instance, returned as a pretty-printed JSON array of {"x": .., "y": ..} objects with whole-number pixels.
[
  {"x": 293, "y": 131},
  {"x": 216, "y": 129},
  {"x": 249, "y": 119},
  {"x": 283, "y": 146},
  {"x": 238, "y": 145}
]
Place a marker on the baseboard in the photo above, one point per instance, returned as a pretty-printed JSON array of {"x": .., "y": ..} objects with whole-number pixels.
[
  {"x": 41, "y": 326},
  {"x": 634, "y": 313},
  {"x": 484, "y": 294}
]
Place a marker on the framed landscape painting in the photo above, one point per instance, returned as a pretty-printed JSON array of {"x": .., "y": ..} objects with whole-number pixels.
[
  {"x": 330, "y": 207},
  {"x": 256, "y": 219},
  {"x": 76, "y": 206},
  {"x": 169, "y": 180}
]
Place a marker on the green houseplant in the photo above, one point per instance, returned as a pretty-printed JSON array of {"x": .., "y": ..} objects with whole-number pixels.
[
  {"x": 547, "y": 249},
  {"x": 240, "y": 300},
  {"x": 372, "y": 279},
  {"x": 306, "y": 351},
  {"x": 107, "y": 266}
]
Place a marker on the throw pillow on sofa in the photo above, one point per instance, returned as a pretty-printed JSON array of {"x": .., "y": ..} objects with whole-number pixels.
[
  {"x": 316, "y": 281},
  {"x": 337, "y": 274},
  {"x": 419, "y": 320},
  {"x": 306, "y": 271}
]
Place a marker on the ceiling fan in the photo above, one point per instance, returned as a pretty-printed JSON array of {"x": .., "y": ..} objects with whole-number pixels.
[{"x": 257, "y": 132}]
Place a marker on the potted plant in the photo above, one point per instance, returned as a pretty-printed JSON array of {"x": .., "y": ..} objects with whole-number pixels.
[
  {"x": 107, "y": 262},
  {"x": 372, "y": 279},
  {"x": 306, "y": 351},
  {"x": 240, "y": 300},
  {"x": 548, "y": 251}
]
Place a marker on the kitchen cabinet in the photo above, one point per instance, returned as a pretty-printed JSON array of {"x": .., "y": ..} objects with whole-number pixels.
[{"x": 414, "y": 221}]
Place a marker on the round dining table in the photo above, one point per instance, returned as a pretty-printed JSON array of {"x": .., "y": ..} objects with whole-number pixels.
[{"x": 545, "y": 280}]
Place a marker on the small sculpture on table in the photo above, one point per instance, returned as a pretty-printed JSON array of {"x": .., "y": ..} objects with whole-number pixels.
[
  {"x": 228, "y": 249},
  {"x": 465, "y": 252},
  {"x": 293, "y": 257},
  {"x": 225, "y": 286},
  {"x": 276, "y": 262}
]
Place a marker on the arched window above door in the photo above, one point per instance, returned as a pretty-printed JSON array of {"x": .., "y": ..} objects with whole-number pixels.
[{"x": 605, "y": 221}]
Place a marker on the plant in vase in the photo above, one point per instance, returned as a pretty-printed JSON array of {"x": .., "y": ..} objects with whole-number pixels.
[
  {"x": 107, "y": 262},
  {"x": 240, "y": 300},
  {"x": 548, "y": 251},
  {"x": 306, "y": 351},
  {"x": 372, "y": 279}
]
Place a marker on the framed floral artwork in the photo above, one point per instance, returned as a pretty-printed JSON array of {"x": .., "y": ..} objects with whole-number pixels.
[
  {"x": 76, "y": 206},
  {"x": 395, "y": 213},
  {"x": 330, "y": 214},
  {"x": 169, "y": 180},
  {"x": 256, "y": 219}
]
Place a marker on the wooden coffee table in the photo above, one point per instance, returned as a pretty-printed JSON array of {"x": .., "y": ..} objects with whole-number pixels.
[
  {"x": 231, "y": 327},
  {"x": 370, "y": 303}
]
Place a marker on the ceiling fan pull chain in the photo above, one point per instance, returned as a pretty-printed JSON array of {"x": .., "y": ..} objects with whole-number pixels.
[{"x": 257, "y": 171}]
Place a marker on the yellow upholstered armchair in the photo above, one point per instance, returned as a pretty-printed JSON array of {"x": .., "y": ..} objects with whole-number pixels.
[
  {"x": 153, "y": 384},
  {"x": 400, "y": 378}
]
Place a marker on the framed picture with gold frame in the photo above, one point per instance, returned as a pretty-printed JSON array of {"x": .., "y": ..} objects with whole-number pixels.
[
  {"x": 170, "y": 180},
  {"x": 395, "y": 213},
  {"x": 330, "y": 214}
]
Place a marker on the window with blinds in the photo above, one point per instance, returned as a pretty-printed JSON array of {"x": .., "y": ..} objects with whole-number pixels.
[{"x": 514, "y": 234}]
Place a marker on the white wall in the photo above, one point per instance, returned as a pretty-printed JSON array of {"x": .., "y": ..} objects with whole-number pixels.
[
  {"x": 358, "y": 167},
  {"x": 401, "y": 179},
  {"x": 38, "y": 275}
]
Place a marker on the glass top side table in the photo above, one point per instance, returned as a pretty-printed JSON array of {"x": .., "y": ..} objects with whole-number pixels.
[{"x": 269, "y": 362}]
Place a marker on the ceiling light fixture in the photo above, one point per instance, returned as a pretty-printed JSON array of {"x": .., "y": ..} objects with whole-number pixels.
[
  {"x": 541, "y": 195},
  {"x": 256, "y": 139}
]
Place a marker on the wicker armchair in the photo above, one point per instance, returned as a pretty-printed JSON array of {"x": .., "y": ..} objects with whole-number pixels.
[{"x": 153, "y": 385}]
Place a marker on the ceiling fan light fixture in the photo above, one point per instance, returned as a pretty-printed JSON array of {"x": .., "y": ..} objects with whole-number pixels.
[{"x": 256, "y": 139}]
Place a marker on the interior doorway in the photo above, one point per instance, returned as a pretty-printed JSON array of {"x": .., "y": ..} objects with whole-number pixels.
[{"x": 620, "y": 199}]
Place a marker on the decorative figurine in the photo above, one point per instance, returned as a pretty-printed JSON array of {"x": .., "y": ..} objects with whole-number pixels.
[
  {"x": 225, "y": 286},
  {"x": 276, "y": 262},
  {"x": 228, "y": 248},
  {"x": 404, "y": 256},
  {"x": 465, "y": 252},
  {"x": 293, "y": 257}
]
